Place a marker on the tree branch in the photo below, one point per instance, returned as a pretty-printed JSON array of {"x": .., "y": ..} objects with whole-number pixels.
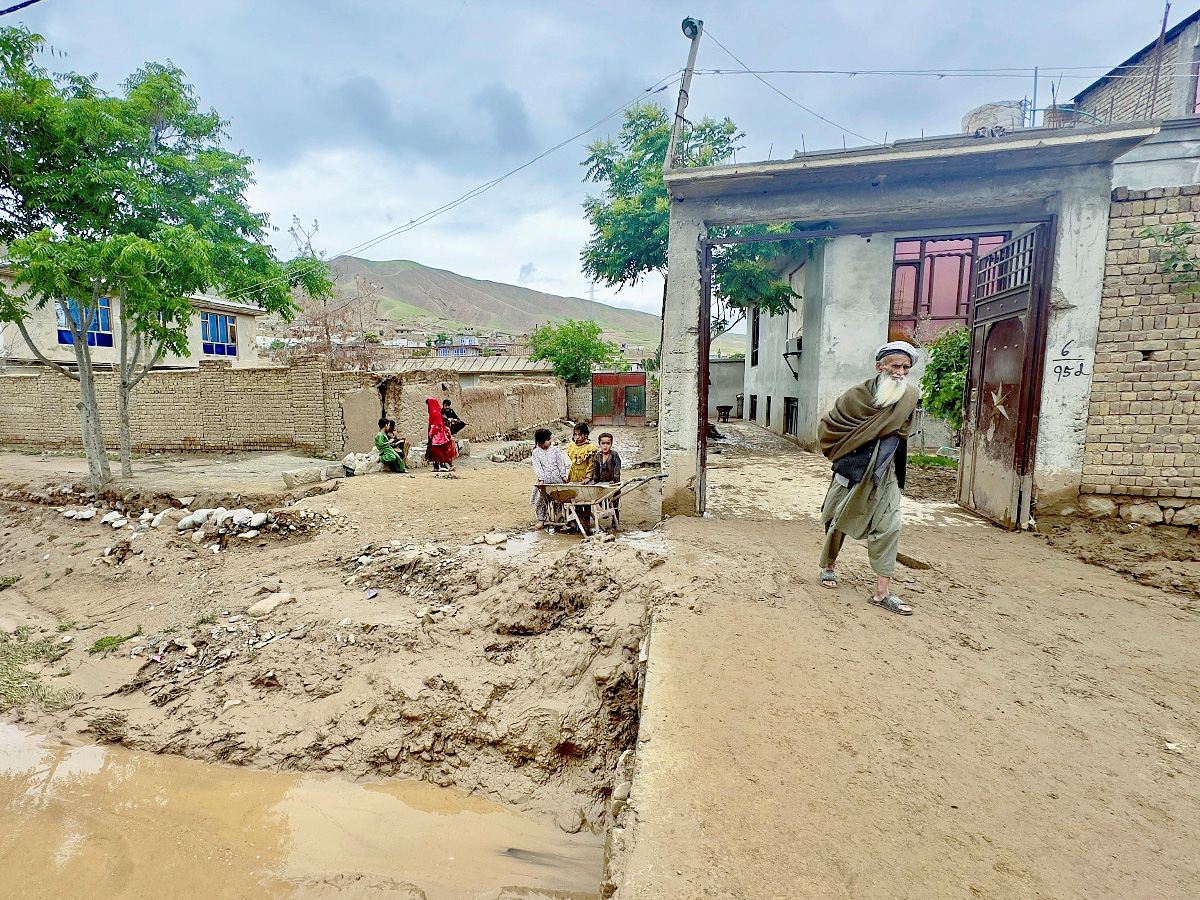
[
  {"x": 42, "y": 357},
  {"x": 150, "y": 364}
]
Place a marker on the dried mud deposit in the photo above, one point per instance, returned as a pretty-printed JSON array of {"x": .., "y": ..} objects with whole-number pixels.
[{"x": 512, "y": 673}]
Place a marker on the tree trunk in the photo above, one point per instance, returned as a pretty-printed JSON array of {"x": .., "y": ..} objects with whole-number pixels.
[
  {"x": 89, "y": 409},
  {"x": 123, "y": 397}
]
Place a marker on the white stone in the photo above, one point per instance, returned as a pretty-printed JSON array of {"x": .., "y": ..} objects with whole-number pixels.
[
  {"x": 119, "y": 523},
  {"x": 308, "y": 475},
  {"x": 258, "y": 520},
  {"x": 495, "y": 538},
  {"x": 344, "y": 622},
  {"x": 157, "y": 520},
  {"x": 197, "y": 536},
  {"x": 268, "y": 604},
  {"x": 84, "y": 515},
  {"x": 249, "y": 535},
  {"x": 242, "y": 516},
  {"x": 1097, "y": 507},
  {"x": 110, "y": 517}
]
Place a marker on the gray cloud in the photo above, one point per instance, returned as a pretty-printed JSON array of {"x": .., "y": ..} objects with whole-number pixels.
[
  {"x": 510, "y": 121},
  {"x": 526, "y": 274}
]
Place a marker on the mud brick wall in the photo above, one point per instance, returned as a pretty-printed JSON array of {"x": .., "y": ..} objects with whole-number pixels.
[
  {"x": 492, "y": 411},
  {"x": 212, "y": 408},
  {"x": 1142, "y": 443}
]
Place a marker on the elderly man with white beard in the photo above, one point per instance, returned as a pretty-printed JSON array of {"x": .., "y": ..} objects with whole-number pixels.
[{"x": 865, "y": 436}]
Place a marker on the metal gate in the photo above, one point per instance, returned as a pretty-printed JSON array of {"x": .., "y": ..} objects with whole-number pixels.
[
  {"x": 1004, "y": 380},
  {"x": 619, "y": 399}
]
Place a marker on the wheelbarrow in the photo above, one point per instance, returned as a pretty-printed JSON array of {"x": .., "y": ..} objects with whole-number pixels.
[{"x": 597, "y": 502}]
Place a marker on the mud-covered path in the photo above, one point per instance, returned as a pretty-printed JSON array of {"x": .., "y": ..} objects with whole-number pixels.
[{"x": 1031, "y": 731}]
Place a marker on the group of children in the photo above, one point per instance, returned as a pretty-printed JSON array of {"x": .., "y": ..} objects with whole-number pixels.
[
  {"x": 440, "y": 447},
  {"x": 583, "y": 463}
]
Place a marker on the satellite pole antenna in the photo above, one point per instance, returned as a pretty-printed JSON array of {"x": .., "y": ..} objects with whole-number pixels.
[{"x": 692, "y": 30}]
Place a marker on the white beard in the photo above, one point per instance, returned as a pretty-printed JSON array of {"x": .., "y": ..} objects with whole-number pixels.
[{"x": 888, "y": 390}]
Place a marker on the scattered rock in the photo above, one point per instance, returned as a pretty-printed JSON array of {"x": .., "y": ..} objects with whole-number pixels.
[
  {"x": 621, "y": 792},
  {"x": 242, "y": 517},
  {"x": 392, "y": 753},
  {"x": 190, "y": 651},
  {"x": 119, "y": 523},
  {"x": 515, "y": 451},
  {"x": 344, "y": 622},
  {"x": 298, "y": 634},
  {"x": 85, "y": 514},
  {"x": 333, "y": 512},
  {"x": 268, "y": 604},
  {"x": 197, "y": 537},
  {"x": 258, "y": 520},
  {"x": 249, "y": 535},
  {"x": 110, "y": 517},
  {"x": 158, "y": 519},
  {"x": 495, "y": 538}
]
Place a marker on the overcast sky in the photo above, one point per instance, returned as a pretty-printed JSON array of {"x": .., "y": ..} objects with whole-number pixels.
[{"x": 366, "y": 114}]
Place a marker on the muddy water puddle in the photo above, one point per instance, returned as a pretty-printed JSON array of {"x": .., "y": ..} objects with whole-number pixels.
[{"x": 91, "y": 821}]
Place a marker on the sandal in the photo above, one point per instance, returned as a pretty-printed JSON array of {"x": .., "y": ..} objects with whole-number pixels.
[
  {"x": 892, "y": 603},
  {"x": 828, "y": 579}
]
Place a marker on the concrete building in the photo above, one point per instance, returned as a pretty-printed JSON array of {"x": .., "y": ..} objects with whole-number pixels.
[
  {"x": 1043, "y": 201},
  {"x": 221, "y": 329}
]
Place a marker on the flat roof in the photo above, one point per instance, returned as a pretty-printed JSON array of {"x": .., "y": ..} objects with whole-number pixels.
[{"x": 937, "y": 157}]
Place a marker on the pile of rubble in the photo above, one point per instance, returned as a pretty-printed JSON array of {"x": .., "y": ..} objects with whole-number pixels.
[{"x": 217, "y": 524}]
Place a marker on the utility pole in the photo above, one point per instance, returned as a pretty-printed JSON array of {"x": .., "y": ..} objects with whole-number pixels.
[{"x": 692, "y": 29}]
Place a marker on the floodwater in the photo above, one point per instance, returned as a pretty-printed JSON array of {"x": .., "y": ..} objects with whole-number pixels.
[{"x": 92, "y": 821}]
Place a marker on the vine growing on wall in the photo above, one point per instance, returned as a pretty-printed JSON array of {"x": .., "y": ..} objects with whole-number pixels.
[{"x": 1177, "y": 253}]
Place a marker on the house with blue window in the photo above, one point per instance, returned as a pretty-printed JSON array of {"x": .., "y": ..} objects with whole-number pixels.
[{"x": 221, "y": 329}]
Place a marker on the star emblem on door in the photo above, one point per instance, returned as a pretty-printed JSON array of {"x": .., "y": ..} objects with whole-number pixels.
[{"x": 999, "y": 396}]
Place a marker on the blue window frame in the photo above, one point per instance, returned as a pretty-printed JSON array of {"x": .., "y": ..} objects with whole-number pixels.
[
  {"x": 99, "y": 330},
  {"x": 218, "y": 334}
]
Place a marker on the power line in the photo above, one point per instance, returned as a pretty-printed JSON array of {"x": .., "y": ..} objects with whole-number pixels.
[
  {"x": 792, "y": 100},
  {"x": 1134, "y": 72},
  {"x": 19, "y": 6}
]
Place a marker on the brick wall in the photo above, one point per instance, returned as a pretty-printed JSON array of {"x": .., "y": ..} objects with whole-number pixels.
[
  {"x": 212, "y": 408},
  {"x": 1143, "y": 429},
  {"x": 300, "y": 406},
  {"x": 1127, "y": 97}
]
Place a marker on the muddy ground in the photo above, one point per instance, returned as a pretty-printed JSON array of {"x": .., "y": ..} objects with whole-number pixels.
[{"x": 408, "y": 648}]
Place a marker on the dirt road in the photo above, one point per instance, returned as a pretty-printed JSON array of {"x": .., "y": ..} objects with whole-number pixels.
[{"x": 1031, "y": 731}]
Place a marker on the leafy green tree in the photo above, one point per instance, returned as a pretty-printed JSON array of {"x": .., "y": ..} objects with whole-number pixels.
[
  {"x": 573, "y": 348},
  {"x": 128, "y": 197},
  {"x": 944, "y": 381},
  {"x": 1178, "y": 253},
  {"x": 631, "y": 218}
]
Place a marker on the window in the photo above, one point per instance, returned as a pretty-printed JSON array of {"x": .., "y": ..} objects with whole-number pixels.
[
  {"x": 99, "y": 330},
  {"x": 754, "y": 407},
  {"x": 218, "y": 334},
  {"x": 931, "y": 282},
  {"x": 767, "y": 415},
  {"x": 754, "y": 339},
  {"x": 791, "y": 415}
]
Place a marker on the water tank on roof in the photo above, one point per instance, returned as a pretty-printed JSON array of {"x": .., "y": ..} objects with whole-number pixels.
[{"x": 994, "y": 119}]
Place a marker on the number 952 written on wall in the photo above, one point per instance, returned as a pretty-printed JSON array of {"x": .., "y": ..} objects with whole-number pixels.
[{"x": 1067, "y": 364}]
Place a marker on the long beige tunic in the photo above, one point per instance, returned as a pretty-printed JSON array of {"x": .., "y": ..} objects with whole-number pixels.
[{"x": 865, "y": 510}]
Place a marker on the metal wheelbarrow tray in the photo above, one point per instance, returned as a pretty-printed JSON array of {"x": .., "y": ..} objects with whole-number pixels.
[{"x": 565, "y": 501}]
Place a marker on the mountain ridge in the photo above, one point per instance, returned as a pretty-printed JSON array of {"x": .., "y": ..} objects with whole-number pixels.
[{"x": 410, "y": 290}]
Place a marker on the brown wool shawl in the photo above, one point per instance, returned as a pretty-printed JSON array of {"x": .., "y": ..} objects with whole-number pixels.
[{"x": 856, "y": 420}]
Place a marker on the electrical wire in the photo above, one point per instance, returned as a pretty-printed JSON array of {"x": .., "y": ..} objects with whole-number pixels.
[
  {"x": 1135, "y": 72},
  {"x": 792, "y": 100},
  {"x": 18, "y": 6},
  {"x": 660, "y": 85}
]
